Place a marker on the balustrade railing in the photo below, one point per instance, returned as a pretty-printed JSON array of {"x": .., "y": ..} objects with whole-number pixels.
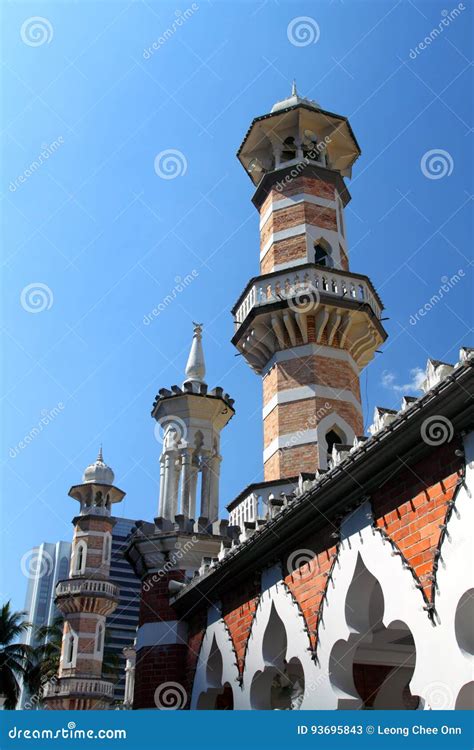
[
  {"x": 73, "y": 685},
  {"x": 254, "y": 505},
  {"x": 307, "y": 281},
  {"x": 88, "y": 586}
]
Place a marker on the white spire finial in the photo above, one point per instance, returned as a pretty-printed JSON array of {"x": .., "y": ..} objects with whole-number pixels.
[
  {"x": 195, "y": 367},
  {"x": 293, "y": 88},
  {"x": 100, "y": 457}
]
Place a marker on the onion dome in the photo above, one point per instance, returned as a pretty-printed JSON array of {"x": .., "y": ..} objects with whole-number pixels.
[{"x": 98, "y": 472}]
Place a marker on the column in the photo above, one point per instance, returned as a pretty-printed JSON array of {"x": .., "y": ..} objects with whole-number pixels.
[
  {"x": 205, "y": 484},
  {"x": 170, "y": 487},
  {"x": 214, "y": 487},
  {"x": 161, "y": 508},
  {"x": 186, "y": 470},
  {"x": 193, "y": 490}
]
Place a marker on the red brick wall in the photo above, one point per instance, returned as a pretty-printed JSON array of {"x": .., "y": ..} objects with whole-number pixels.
[
  {"x": 411, "y": 506},
  {"x": 239, "y": 605},
  {"x": 156, "y": 665},
  {"x": 154, "y": 600}
]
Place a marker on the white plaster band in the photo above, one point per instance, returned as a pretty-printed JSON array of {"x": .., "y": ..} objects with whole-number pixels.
[
  {"x": 290, "y": 440},
  {"x": 310, "y": 391},
  {"x": 161, "y": 633}
]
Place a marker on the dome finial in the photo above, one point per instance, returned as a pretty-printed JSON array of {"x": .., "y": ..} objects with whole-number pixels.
[
  {"x": 195, "y": 366},
  {"x": 98, "y": 472},
  {"x": 293, "y": 88}
]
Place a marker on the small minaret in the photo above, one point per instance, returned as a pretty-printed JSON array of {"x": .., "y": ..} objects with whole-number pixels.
[
  {"x": 190, "y": 420},
  {"x": 87, "y": 597},
  {"x": 307, "y": 324},
  {"x": 186, "y": 537}
]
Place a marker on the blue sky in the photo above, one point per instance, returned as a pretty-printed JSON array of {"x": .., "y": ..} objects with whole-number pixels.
[{"x": 109, "y": 237}]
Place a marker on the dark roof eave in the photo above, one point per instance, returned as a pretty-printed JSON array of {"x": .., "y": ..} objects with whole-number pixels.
[{"x": 296, "y": 106}]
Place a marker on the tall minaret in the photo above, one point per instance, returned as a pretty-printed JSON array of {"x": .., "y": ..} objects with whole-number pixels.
[
  {"x": 190, "y": 420},
  {"x": 307, "y": 324},
  {"x": 87, "y": 597}
]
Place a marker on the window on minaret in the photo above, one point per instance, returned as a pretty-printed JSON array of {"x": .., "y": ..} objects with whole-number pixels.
[
  {"x": 321, "y": 256},
  {"x": 106, "y": 549},
  {"x": 80, "y": 558},
  {"x": 70, "y": 648},
  {"x": 100, "y": 638},
  {"x": 289, "y": 149}
]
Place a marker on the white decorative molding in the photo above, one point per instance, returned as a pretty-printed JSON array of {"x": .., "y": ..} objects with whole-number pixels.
[
  {"x": 289, "y": 440},
  {"x": 310, "y": 391},
  {"x": 163, "y": 633}
]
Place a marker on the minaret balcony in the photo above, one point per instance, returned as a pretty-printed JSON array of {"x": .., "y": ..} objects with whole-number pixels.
[
  {"x": 305, "y": 279},
  {"x": 308, "y": 304},
  {"x": 78, "y": 688},
  {"x": 87, "y": 595}
]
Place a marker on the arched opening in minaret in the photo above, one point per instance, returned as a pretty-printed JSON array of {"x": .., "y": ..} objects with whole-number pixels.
[
  {"x": 79, "y": 558},
  {"x": 322, "y": 254},
  {"x": 374, "y": 667},
  {"x": 289, "y": 149}
]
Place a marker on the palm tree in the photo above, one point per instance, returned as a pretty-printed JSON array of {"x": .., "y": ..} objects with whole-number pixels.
[
  {"x": 44, "y": 659},
  {"x": 14, "y": 656}
]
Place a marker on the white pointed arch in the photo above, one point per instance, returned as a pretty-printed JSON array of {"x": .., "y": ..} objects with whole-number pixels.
[
  {"x": 332, "y": 421},
  {"x": 364, "y": 557},
  {"x": 288, "y": 642},
  {"x": 216, "y": 665}
]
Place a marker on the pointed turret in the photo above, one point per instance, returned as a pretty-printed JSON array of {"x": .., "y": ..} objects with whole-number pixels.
[{"x": 195, "y": 366}]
